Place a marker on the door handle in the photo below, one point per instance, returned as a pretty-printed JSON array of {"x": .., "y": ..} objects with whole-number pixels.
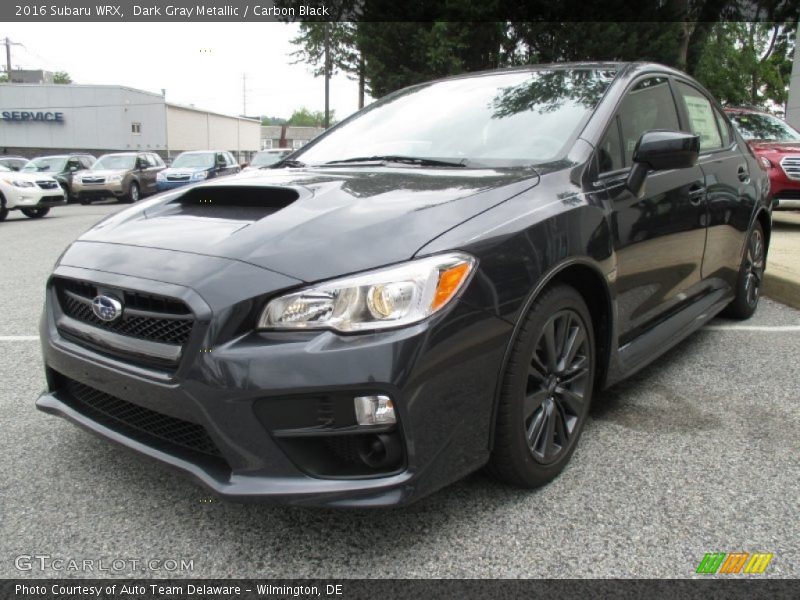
[
  {"x": 697, "y": 194},
  {"x": 743, "y": 174}
]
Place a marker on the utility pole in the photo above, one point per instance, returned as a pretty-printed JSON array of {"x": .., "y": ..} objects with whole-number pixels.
[
  {"x": 244, "y": 94},
  {"x": 8, "y": 44},
  {"x": 327, "y": 73}
]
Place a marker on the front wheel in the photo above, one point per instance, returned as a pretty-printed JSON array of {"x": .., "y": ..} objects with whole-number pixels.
[
  {"x": 546, "y": 391},
  {"x": 133, "y": 193},
  {"x": 751, "y": 276},
  {"x": 35, "y": 213}
]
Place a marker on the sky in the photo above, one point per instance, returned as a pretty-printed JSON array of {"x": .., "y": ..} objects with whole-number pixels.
[{"x": 197, "y": 63}]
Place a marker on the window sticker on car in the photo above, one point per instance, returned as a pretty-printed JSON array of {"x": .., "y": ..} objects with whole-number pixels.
[{"x": 702, "y": 120}]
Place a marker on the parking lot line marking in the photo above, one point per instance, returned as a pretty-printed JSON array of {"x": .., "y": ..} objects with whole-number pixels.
[
  {"x": 752, "y": 327},
  {"x": 19, "y": 338}
]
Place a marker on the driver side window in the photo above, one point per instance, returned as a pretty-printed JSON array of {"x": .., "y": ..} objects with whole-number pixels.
[{"x": 647, "y": 106}]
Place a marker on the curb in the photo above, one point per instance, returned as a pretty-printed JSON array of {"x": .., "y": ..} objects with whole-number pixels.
[{"x": 782, "y": 289}]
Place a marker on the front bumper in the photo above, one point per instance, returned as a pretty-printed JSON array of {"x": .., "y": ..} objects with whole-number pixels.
[
  {"x": 171, "y": 185},
  {"x": 441, "y": 375},
  {"x": 98, "y": 190},
  {"x": 34, "y": 198}
]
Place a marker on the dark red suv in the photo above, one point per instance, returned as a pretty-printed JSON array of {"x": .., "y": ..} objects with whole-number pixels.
[{"x": 777, "y": 146}]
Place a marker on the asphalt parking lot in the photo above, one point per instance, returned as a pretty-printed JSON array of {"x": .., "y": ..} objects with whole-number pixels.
[{"x": 698, "y": 453}]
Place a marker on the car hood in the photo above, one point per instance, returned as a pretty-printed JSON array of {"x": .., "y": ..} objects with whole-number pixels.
[
  {"x": 20, "y": 176},
  {"x": 103, "y": 172},
  {"x": 313, "y": 224},
  {"x": 179, "y": 170},
  {"x": 778, "y": 147}
]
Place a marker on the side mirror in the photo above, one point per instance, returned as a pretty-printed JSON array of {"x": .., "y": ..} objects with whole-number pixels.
[
  {"x": 661, "y": 151},
  {"x": 73, "y": 168},
  {"x": 141, "y": 165}
]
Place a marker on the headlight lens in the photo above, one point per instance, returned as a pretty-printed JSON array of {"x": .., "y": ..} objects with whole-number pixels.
[
  {"x": 765, "y": 162},
  {"x": 199, "y": 175},
  {"x": 389, "y": 297},
  {"x": 112, "y": 178},
  {"x": 22, "y": 184},
  {"x": 160, "y": 176}
]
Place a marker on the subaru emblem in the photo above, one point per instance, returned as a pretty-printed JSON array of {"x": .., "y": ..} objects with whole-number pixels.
[{"x": 106, "y": 308}]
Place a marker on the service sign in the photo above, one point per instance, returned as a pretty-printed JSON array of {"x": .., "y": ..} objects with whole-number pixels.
[{"x": 26, "y": 116}]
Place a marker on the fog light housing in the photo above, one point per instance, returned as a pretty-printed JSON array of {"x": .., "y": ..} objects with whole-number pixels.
[{"x": 374, "y": 410}]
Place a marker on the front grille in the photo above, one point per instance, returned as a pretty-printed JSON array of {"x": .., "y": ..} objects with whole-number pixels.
[
  {"x": 177, "y": 178},
  {"x": 791, "y": 166},
  {"x": 136, "y": 421},
  {"x": 47, "y": 185},
  {"x": 167, "y": 320},
  {"x": 93, "y": 180}
]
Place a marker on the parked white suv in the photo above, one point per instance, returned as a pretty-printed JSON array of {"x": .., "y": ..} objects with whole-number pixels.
[{"x": 32, "y": 193}]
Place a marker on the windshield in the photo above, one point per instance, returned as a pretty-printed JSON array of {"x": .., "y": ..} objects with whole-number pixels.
[
  {"x": 194, "y": 160},
  {"x": 50, "y": 164},
  {"x": 756, "y": 126},
  {"x": 508, "y": 119},
  {"x": 264, "y": 159},
  {"x": 122, "y": 162}
]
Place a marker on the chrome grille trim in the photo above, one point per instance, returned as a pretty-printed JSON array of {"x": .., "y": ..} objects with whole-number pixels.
[{"x": 791, "y": 166}]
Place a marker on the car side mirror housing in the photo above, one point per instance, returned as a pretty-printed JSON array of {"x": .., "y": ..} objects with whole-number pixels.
[{"x": 661, "y": 151}]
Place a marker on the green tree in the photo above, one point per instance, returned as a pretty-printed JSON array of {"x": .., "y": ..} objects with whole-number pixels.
[
  {"x": 343, "y": 48},
  {"x": 748, "y": 63},
  {"x": 304, "y": 117},
  {"x": 61, "y": 77},
  {"x": 272, "y": 120}
]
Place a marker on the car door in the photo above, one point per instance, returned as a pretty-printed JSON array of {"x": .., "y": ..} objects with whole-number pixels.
[
  {"x": 233, "y": 166},
  {"x": 727, "y": 169},
  {"x": 659, "y": 238},
  {"x": 149, "y": 173}
]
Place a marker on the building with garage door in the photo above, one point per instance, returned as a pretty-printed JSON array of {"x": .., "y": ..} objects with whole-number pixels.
[{"x": 40, "y": 119}]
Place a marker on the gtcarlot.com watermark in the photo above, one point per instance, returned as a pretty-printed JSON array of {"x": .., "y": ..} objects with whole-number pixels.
[{"x": 60, "y": 564}]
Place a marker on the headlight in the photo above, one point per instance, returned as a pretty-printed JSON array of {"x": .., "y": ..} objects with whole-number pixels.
[
  {"x": 21, "y": 183},
  {"x": 765, "y": 162},
  {"x": 199, "y": 175},
  {"x": 389, "y": 297},
  {"x": 160, "y": 176},
  {"x": 112, "y": 178}
]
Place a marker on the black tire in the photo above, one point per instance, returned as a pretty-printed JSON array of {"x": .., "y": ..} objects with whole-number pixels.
[
  {"x": 36, "y": 213},
  {"x": 133, "y": 194},
  {"x": 751, "y": 276},
  {"x": 545, "y": 396},
  {"x": 84, "y": 200},
  {"x": 3, "y": 209}
]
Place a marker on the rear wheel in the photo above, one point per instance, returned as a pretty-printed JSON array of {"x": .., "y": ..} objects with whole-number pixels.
[
  {"x": 36, "y": 213},
  {"x": 751, "y": 276},
  {"x": 3, "y": 209},
  {"x": 547, "y": 390}
]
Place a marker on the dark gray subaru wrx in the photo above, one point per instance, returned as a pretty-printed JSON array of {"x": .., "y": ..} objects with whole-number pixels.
[{"x": 440, "y": 282}]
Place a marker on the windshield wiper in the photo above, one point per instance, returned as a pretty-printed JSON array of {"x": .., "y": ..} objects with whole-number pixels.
[
  {"x": 285, "y": 163},
  {"x": 408, "y": 160}
]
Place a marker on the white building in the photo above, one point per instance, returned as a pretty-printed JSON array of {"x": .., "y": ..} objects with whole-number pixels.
[{"x": 37, "y": 119}]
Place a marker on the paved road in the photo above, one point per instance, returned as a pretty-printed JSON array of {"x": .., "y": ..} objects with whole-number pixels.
[{"x": 698, "y": 453}]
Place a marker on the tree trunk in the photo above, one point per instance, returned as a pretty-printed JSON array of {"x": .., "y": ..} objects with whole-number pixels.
[{"x": 360, "y": 81}]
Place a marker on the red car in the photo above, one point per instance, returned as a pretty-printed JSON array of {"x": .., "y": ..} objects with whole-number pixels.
[{"x": 777, "y": 146}]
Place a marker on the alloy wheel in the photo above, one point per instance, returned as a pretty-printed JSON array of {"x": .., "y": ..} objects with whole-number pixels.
[
  {"x": 754, "y": 267},
  {"x": 556, "y": 387}
]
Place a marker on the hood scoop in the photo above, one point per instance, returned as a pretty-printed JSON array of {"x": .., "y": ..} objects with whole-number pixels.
[{"x": 228, "y": 203}]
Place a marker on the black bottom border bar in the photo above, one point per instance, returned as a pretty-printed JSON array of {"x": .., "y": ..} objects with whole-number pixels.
[{"x": 405, "y": 589}]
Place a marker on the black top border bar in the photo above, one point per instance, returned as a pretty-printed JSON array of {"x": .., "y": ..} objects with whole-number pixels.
[{"x": 254, "y": 11}]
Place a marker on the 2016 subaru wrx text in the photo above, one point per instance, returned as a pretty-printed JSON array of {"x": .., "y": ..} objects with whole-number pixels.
[{"x": 442, "y": 281}]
